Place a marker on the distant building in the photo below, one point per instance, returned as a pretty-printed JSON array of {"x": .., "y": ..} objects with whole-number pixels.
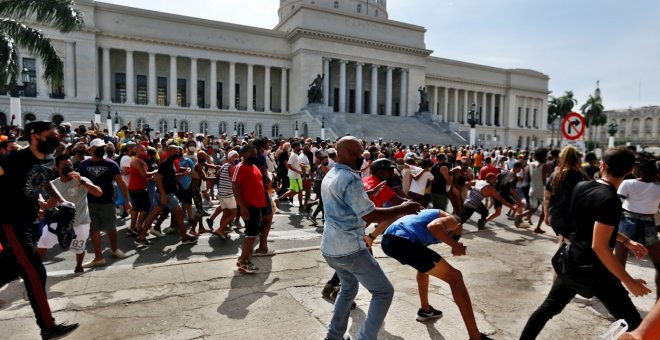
[
  {"x": 181, "y": 73},
  {"x": 638, "y": 126}
]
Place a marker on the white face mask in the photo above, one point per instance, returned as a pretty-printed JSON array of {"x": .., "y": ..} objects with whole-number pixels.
[{"x": 192, "y": 148}]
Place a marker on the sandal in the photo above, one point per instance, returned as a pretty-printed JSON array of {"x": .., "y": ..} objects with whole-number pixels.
[{"x": 221, "y": 236}]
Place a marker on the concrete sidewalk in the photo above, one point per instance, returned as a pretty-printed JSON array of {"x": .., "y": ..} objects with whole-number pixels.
[{"x": 507, "y": 272}]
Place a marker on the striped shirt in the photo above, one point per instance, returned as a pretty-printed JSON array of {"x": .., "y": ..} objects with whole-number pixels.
[
  {"x": 224, "y": 182},
  {"x": 475, "y": 196}
]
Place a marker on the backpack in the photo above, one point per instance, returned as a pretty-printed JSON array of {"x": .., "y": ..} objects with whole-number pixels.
[{"x": 62, "y": 217}]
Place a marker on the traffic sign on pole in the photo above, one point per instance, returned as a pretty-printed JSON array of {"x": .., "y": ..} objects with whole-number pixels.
[{"x": 573, "y": 126}]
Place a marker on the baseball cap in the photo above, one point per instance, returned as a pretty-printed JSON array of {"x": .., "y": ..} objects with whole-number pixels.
[
  {"x": 97, "y": 143},
  {"x": 37, "y": 126},
  {"x": 382, "y": 164},
  {"x": 332, "y": 151},
  {"x": 232, "y": 153},
  {"x": 411, "y": 155}
]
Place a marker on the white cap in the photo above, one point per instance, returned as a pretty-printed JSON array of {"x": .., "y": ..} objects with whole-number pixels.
[
  {"x": 232, "y": 153},
  {"x": 332, "y": 150},
  {"x": 97, "y": 143}
]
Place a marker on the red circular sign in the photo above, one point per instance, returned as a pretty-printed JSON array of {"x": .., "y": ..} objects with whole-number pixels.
[{"x": 573, "y": 125}]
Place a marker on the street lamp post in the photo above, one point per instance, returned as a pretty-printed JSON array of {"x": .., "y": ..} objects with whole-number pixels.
[
  {"x": 322, "y": 128},
  {"x": 235, "y": 129},
  {"x": 97, "y": 113},
  {"x": 176, "y": 129},
  {"x": 116, "y": 122},
  {"x": 108, "y": 121},
  {"x": 296, "y": 133},
  {"x": 15, "y": 92},
  {"x": 612, "y": 130},
  {"x": 473, "y": 120}
]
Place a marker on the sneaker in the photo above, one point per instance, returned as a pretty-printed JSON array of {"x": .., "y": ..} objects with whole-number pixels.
[
  {"x": 247, "y": 268},
  {"x": 209, "y": 223},
  {"x": 481, "y": 224},
  {"x": 258, "y": 253},
  {"x": 131, "y": 233},
  {"x": 156, "y": 232},
  {"x": 523, "y": 225},
  {"x": 204, "y": 213},
  {"x": 169, "y": 230},
  {"x": 432, "y": 313},
  {"x": 190, "y": 240},
  {"x": 118, "y": 253},
  {"x": 517, "y": 220},
  {"x": 59, "y": 331},
  {"x": 142, "y": 243},
  {"x": 328, "y": 289}
]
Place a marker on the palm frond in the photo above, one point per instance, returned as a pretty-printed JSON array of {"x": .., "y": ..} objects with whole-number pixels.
[
  {"x": 9, "y": 65},
  {"x": 38, "y": 45},
  {"x": 57, "y": 13}
]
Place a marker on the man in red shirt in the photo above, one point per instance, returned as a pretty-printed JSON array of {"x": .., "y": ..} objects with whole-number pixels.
[
  {"x": 488, "y": 169},
  {"x": 249, "y": 191}
]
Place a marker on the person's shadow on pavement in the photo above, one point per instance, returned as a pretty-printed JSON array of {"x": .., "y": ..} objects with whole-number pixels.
[
  {"x": 358, "y": 317},
  {"x": 246, "y": 289}
]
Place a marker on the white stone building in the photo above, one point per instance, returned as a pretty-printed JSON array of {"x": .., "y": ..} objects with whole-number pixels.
[
  {"x": 154, "y": 68},
  {"x": 638, "y": 126}
]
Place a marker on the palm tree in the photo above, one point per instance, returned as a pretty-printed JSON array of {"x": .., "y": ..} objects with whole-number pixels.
[
  {"x": 559, "y": 107},
  {"x": 592, "y": 110},
  {"x": 59, "y": 14}
]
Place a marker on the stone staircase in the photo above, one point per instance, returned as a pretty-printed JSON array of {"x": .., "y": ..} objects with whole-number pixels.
[{"x": 422, "y": 128}]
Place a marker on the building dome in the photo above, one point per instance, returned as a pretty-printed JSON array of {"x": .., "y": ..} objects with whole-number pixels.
[{"x": 371, "y": 8}]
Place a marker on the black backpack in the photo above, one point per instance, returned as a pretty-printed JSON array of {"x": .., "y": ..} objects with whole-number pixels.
[{"x": 62, "y": 216}]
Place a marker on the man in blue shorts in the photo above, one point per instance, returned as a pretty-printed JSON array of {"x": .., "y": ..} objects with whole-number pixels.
[{"x": 407, "y": 241}]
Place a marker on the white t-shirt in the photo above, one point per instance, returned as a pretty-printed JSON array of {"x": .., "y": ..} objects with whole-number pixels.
[
  {"x": 303, "y": 161},
  {"x": 294, "y": 162},
  {"x": 331, "y": 163},
  {"x": 418, "y": 185},
  {"x": 125, "y": 162},
  {"x": 640, "y": 197}
]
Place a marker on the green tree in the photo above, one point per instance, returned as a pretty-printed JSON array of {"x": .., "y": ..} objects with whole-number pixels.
[
  {"x": 14, "y": 34},
  {"x": 559, "y": 107},
  {"x": 592, "y": 110}
]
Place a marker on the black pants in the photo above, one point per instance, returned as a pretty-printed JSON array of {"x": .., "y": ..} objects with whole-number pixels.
[
  {"x": 467, "y": 212},
  {"x": 284, "y": 184},
  {"x": 20, "y": 259},
  {"x": 610, "y": 292}
]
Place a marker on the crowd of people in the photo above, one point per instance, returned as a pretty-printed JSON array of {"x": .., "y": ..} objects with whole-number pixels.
[{"x": 404, "y": 190}]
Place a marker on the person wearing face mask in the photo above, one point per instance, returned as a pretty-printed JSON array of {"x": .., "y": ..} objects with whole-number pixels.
[
  {"x": 321, "y": 169},
  {"x": 22, "y": 176},
  {"x": 78, "y": 154},
  {"x": 103, "y": 172},
  {"x": 8, "y": 147},
  {"x": 199, "y": 175},
  {"x": 295, "y": 177},
  {"x": 227, "y": 201},
  {"x": 345, "y": 246},
  {"x": 137, "y": 190}
]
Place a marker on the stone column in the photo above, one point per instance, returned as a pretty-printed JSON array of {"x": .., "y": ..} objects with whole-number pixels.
[
  {"x": 501, "y": 111},
  {"x": 107, "y": 98},
  {"x": 435, "y": 101},
  {"x": 403, "y": 93},
  {"x": 173, "y": 77},
  {"x": 524, "y": 114},
  {"x": 467, "y": 104},
  {"x": 152, "y": 82},
  {"x": 326, "y": 81},
  {"x": 193, "y": 83},
  {"x": 250, "y": 85},
  {"x": 388, "y": 91},
  {"x": 445, "y": 112},
  {"x": 284, "y": 93},
  {"x": 267, "y": 89},
  {"x": 232, "y": 86},
  {"x": 484, "y": 108},
  {"x": 491, "y": 117},
  {"x": 213, "y": 88},
  {"x": 69, "y": 71},
  {"x": 358, "y": 87},
  {"x": 130, "y": 78},
  {"x": 373, "y": 105},
  {"x": 455, "y": 105},
  {"x": 342, "y": 85}
]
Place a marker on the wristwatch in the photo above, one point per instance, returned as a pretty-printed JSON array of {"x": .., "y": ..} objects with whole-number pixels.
[{"x": 372, "y": 237}]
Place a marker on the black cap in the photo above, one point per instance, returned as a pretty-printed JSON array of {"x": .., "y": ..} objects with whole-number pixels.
[
  {"x": 37, "y": 126},
  {"x": 382, "y": 164}
]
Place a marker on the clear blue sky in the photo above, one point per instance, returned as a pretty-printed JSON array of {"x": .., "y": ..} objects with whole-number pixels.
[{"x": 575, "y": 42}]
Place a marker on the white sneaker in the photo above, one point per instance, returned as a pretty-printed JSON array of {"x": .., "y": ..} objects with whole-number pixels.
[
  {"x": 523, "y": 225},
  {"x": 156, "y": 233}
]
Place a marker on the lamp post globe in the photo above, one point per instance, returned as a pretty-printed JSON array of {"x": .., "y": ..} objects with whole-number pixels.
[{"x": 612, "y": 129}]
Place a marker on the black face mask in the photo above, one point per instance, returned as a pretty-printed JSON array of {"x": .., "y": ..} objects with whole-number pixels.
[
  {"x": 110, "y": 153},
  {"x": 67, "y": 170},
  {"x": 251, "y": 160},
  {"x": 177, "y": 156},
  {"x": 81, "y": 152},
  {"x": 358, "y": 163},
  {"x": 49, "y": 145},
  {"x": 202, "y": 160},
  {"x": 99, "y": 152},
  {"x": 326, "y": 163}
]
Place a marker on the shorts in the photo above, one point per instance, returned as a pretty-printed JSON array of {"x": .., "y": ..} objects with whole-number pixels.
[
  {"x": 49, "y": 240},
  {"x": 421, "y": 199},
  {"x": 140, "y": 200},
  {"x": 185, "y": 196},
  {"x": 507, "y": 198},
  {"x": 253, "y": 225},
  {"x": 411, "y": 253},
  {"x": 639, "y": 228},
  {"x": 295, "y": 184},
  {"x": 172, "y": 201},
  {"x": 227, "y": 202},
  {"x": 268, "y": 210},
  {"x": 103, "y": 216}
]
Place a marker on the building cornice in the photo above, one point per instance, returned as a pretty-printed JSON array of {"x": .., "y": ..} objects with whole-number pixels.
[
  {"x": 462, "y": 81},
  {"x": 302, "y": 32},
  {"x": 516, "y": 71},
  {"x": 356, "y": 59}
]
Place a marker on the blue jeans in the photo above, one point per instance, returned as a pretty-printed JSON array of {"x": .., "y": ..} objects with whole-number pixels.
[{"x": 360, "y": 267}]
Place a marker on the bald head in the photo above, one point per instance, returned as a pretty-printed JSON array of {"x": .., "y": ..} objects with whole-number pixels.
[{"x": 349, "y": 149}]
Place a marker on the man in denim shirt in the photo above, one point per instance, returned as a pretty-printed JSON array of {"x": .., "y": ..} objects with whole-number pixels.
[{"x": 345, "y": 246}]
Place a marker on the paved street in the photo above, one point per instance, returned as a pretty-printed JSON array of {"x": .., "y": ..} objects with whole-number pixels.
[{"x": 172, "y": 291}]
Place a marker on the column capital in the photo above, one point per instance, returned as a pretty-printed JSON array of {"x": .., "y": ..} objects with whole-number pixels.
[
  {"x": 343, "y": 61},
  {"x": 359, "y": 64},
  {"x": 267, "y": 67},
  {"x": 327, "y": 59},
  {"x": 173, "y": 56},
  {"x": 373, "y": 66},
  {"x": 249, "y": 64},
  {"x": 390, "y": 68},
  {"x": 128, "y": 50},
  {"x": 405, "y": 70},
  {"x": 152, "y": 54},
  {"x": 193, "y": 58}
]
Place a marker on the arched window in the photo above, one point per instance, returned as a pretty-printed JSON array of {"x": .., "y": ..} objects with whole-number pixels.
[
  {"x": 275, "y": 131},
  {"x": 305, "y": 130},
  {"x": 29, "y": 117},
  {"x": 648, "y": 127},
  {"x": 240, "y": 129},
  {"x": 162, "y": 125},
  {"x": 140, "y": 123},
  {"x": 376, "y": 12},
  {"x": 635, "y": 128},
  {"x": 336, "y": 4},
  {"x": 258, "y": 130},
  {"x": 222, "y": 128},
  {"x": 183, "y": 126},
  {"x": 3, "y": 119},
  {"x": 359, "y": 8},
  {"x": 203, "y": 127},
  {"x": 622, "y": 128},
  {"x": 58, "y": 119}
]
